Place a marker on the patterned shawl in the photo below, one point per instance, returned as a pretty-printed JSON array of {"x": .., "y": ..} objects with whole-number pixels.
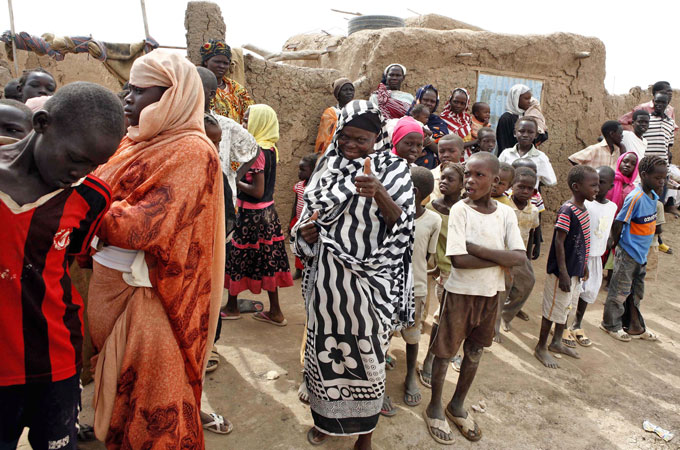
[
  {"x": 376, "y": 261},
  {"x": 167, "y": 200},
  {"x": 390, "y": 107},
  {"x": 232, "y": 101},
  {"x": 458, "y": 123}
]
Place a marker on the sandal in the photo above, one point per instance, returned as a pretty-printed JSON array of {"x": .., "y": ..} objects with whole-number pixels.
[
  {"x": 303, "y": 393},
  {"x": 581, "y": 337},
  {"x": 249, "y": 306},
  {"x": 316, "y": 437},
  {"x": 437, "y": 424},
  {"x": 619, "y": 335},
  {"x": 467, "y": 426},
  {"x": 422, "y": 375},
  {"x": 522, "y": 315},
  {"x": 390, "y": 362},
  {"x": 216, "y": 425},
  {"x": 86, "y": 433},
  {"x": 213, "y": 360},
  {"x": 456, "y": 363},
  {"x": 568, "y": 338},
  {"x": 665, "y": 249},
  {"x": 264, "y": 317},
  {"x": 225, "y": 316},
  {"x": 388, "y": 409},
  {"x": 645, "y": 336},
  {"x": 412, "y": 398}
]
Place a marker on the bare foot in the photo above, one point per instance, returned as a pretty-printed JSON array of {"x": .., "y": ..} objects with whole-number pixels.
[
  {"x": 543, "y": 355},
  {"x": 561, "y": 348},
  {"x": 497, "y": 338},
  {"x": 673, "y": 210},
  {"x": 506, "y": 325}
]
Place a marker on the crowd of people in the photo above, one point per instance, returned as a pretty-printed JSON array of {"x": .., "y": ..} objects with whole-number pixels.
[{"x": 166, "y": 191}]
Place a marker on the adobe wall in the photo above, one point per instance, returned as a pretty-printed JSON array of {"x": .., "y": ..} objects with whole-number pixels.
[
  {"x": 299, "y": 96},
  {"x": 437, "y": 22}
]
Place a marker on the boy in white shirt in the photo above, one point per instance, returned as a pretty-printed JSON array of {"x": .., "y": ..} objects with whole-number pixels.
[
  {"x": 427, "y": 225},
  {"x": 526, "y": 130},
  {"x": 483, "y": 236},
  {"x": 633, "y": 141}
]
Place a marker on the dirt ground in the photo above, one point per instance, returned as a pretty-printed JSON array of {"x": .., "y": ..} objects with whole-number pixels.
[{"x": 597, "y": 402}]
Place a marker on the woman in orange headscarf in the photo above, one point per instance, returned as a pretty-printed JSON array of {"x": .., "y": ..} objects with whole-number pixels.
[{"x": 157, "y": 281}]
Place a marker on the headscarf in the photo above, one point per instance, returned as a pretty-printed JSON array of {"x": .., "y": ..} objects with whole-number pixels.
[
  {"x": 263, "y": 124},
  {"x": 404, "y": 126},
  {"x": 512, "y": 102},
  {"x": 37, "y": 103},
  {"x": 338, "y": 84},
  {"x": 387, "y": 69},
  {"x": 458, "y": 123},
  {"x": 214, "y": 47},
  {"x": 180, "y": 109},
  {"x": 617, "y": 193},
  {"x": 435, "y": 123},
  {"x": 331, "y": 192}
]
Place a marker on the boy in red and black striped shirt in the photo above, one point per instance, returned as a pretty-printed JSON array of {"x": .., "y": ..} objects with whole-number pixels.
[
  {"x": 567, "y": 263},
  {"x": 50, "y": 210}
]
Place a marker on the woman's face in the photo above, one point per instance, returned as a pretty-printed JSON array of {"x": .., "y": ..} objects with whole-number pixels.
[
  {"x": 410, "y": 147},
  {"x": 395, "y": 76},
  {"x": 138, "y": 99},
  {"x": 219, "y": 65},
  {"x": 524, "y": 101},
  {"x": 429, "y": 99},
  {"x": 627, "y": 165},
  {"x": 356, "y": 143},
  {"x": 458, "y": 102}
]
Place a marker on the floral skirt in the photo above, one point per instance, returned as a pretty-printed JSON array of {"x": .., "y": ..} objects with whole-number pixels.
[
  {"x": 256, "y": 256},
  {"x": 345, "y": 376}
]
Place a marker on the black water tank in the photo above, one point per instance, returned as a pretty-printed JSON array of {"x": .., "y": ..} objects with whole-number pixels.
[{"x": 373, "y": 23}]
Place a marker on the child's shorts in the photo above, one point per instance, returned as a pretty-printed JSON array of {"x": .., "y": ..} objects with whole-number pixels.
[
  {"x": 591, "y": 287},
  {"x": 49, "y": 410},
  {"x": 464, "y": 317},
  {"x": 556, "y": 302},
  {"x": 412, "y": 334}
]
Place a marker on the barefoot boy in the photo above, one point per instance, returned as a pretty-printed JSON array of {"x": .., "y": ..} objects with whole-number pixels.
[
  {"x": 427, "y": 224},
  {"x": 523, "y": 278},
  {"x": 483, "y": 235},
  {"x": 601, "y": 212},
  {"x": 632, "y": 235},
  {"x": 566, "y": 263},
  {"x": 50, "y": 210}
]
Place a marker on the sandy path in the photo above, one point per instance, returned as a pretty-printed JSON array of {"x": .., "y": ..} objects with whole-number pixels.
[{"x": 598, "y": 402}]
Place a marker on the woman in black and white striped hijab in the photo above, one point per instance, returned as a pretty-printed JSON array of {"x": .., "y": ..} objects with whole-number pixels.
[{"x": 357, "y": 284}]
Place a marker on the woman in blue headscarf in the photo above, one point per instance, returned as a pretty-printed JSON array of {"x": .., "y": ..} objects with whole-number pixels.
[{"x": 429, "y": 96}]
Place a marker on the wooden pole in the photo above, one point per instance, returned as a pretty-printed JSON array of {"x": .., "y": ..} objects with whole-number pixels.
[
  {"x": 146, "y": 23},
  {"x": 346, "y": 12},
  {"x": 14, "y": 44}
]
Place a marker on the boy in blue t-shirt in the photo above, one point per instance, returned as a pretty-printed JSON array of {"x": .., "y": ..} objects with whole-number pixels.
[
  {"x": 632, "y": 235},
  {"x": 567, "y": 263}
]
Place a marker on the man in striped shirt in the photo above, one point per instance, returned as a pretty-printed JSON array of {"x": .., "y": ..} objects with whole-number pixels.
[{"x": 50, "y": 210}]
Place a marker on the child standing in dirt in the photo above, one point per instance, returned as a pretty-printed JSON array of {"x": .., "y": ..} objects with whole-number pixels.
[
  {"x": 632, "y": 235},
  {"x": 601, "y": 212},
  {"x": 483, "y": 236},
  {"x": 427, "y": 227},
  {"x": 537, "y": 201},
  {"x": 567, "y": 263},
  {"x": 522, "y": 277},
  {"x": 450, "y": 185},
  {"x": 305, "y": 168},
  {"x": 525, "y": 133}
]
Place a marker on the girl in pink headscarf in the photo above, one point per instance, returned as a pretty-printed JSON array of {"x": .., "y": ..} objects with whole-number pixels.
[
  {"x": 626, "y": 173},
  {"x": 407, "y": 139}
]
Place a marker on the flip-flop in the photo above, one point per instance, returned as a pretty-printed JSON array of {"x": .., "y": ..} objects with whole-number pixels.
[
  {"x": 86, "y": 433},
  {"x": 441, "y": 425},
  {"x": 216, "y": 424},
  {"x": 263, "y": 317},
  {"x": 619, "y": 335},
  {"x": 568, "y": 339},
  {"x": 409, "y": 398},
  {"x": 467, "y": 426},
  {"x": 224, "y": 316},
  {"x": 522, "y": 315},
  {"x": 213, "y": 358},
  {"x": 315, "y": 440},
  {"x": 581, "y": 337},
  {"x": 388, "y": 412},
  {"x": 421, "y": 376},
  {"x": 646, "y": 336},
  {"x": 456, "y": 363},
  {"x": 249, "y": 306}
]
